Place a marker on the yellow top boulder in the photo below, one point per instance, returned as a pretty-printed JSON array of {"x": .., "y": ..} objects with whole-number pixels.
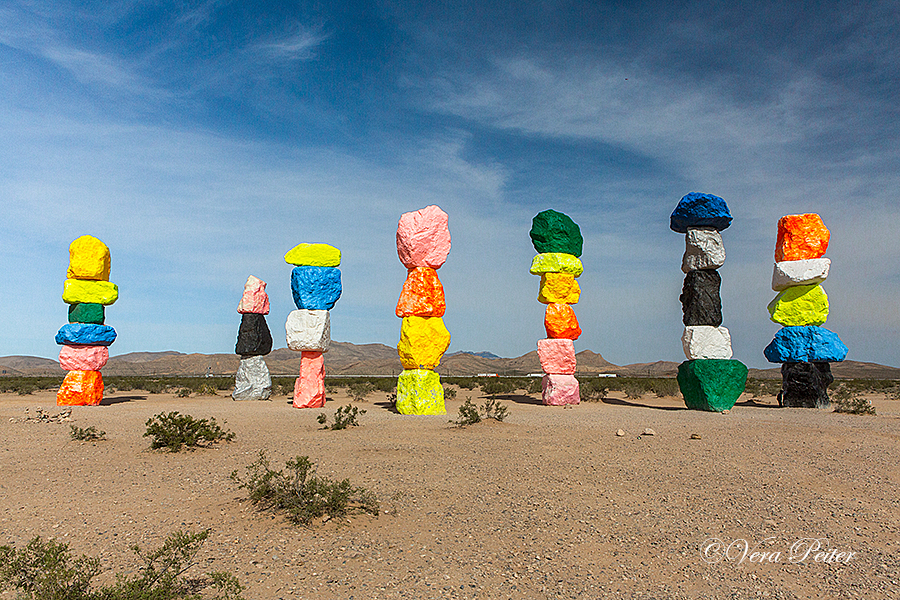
[
  {"x": 88, "y": 259},
  {"x": 313, "y": 255}
]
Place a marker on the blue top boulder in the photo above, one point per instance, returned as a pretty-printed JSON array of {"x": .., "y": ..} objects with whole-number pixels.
[
  {"x": 807, "y": 343},
  {"x": 315, "y": 288},
  {"x": 89, "y": 334},
  {"x": 700, "y": 210}
]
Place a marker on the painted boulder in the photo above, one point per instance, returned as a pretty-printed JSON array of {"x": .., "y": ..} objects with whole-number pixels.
[
  {"x": 423, "y": 238},
  {"x": 801, "y": 237},
  {"x": 88, "y": 259},
  {"x": 700, "y": 210},
  {"x": 552, "y": 231},
  {"x": 316, "y": 288}
]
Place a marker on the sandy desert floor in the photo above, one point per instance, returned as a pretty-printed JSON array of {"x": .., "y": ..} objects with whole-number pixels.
[{"x": 548, "y": 504}]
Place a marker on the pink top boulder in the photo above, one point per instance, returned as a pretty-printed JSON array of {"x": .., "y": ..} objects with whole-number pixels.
[
  {"x": 423, "y": 238},
  {"x": 255, "y": 299}
]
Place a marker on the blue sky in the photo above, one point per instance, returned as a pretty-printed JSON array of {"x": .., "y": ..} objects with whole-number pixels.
[{"x": 202, "y": 140}]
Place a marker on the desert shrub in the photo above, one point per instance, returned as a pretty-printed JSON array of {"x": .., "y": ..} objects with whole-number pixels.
[
  {"x": 635, "y": 388},
  {"x": 449, "y": 393},
  {"x": 47, "y": 571},
  {"x": 301, "y": 493},
  {"x": 757, "y": 388},
  {"x": 283, "y": 386},
  {"x": 496, "y": 386},
  {"x": 183, "y": 393},
  {"x": 208, "y": 389},
  {"x": 360, "y": 390},
  {"x": 28, "y": 385},
  {"x": 847, "y": 400},
  {"x": 466, "y": 383},
  {"x": 385, "y": 384},
  {"x": 665, "y": 387},
  {"x": 469, "y": 414},
  {"x": 174, "y": 430},
  {"x": 87, "y": 434},
  {"x": 534, "y": 386},
  {"x": 344, "y": 417},
  {"x": 592, "y": 390}
]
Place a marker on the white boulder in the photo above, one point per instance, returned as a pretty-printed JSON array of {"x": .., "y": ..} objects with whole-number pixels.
[
  {"x": 252, "y": 380},
  {"x": 703, "y": 249},
  {"x": 790, "y": 273},
  {"x": 308, "y": 330},
  {"x": 706, "y": 341}
]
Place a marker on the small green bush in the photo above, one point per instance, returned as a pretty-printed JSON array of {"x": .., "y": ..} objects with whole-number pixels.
[
  {"x": 847, "y": 400},
  {"x": 469, "y": 414},
  {"x": 46, "y": 571},
  {"x": 301, "y": 493},
  {"x": 344, "y": 417},
  {"x": 592, "y": 390},
  {"x": 360, "y": 390},
  {"x": 534, "y": 386},
  {"x": 174, "y": 430},
  {"x": 88, "y": 434},
  {"x": 449, "y": 393}
]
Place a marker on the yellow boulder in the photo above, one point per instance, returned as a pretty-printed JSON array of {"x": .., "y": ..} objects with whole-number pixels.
[
  {"x": 559, "y": 288},
  {"x": 419, "y": 392},
  {"x": 313, "y": 255},
  {"x": 423, "y": 340},
  {"x": 90, "y": 292},
  {"x": 556, "y": 262},
  {"x": 88, "y": 259}
]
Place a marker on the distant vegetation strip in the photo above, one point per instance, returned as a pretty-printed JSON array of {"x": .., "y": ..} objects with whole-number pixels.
[{"x": 592, "y": 387}]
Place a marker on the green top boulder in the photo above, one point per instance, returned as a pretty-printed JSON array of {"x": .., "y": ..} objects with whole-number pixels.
[{"x": 553, "y": 231}]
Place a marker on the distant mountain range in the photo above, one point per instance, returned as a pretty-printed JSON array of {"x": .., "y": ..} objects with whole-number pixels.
[{"x": 347, "y": 359}]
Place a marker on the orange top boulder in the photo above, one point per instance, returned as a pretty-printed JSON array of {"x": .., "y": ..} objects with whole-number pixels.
[{"x": 801, "y": 237}]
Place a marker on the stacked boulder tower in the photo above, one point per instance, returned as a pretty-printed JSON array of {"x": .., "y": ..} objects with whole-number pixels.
[
  {"x": 423, "y": 243},
  {"x": 710, "y": 379},
  {"x": 557, "y": 240},
  {"x": 252, "y": 380},
  {"x": 316, "y": 287},
  {"x": 804, "y": 348},
  {"x": 85, "y": 339}
]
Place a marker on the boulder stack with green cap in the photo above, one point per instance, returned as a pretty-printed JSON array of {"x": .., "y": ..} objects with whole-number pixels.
[
  {"x": 423, "y": 243},
  {"x": 558, "y": 242},
  {"x": 85, "y": 339},
  {"x": 316, "y": 287},
  {"x": 804, "y": 348},
  {"x": 710, "y": 379}
]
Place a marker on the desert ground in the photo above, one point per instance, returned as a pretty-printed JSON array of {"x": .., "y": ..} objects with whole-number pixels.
[{"x": 550, "y": 503}]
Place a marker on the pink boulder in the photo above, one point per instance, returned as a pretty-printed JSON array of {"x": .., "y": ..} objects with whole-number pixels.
[
  {"x": 423, "y": 238},
  {"x": 559, "y": 390},
  {"x": 255, "y": 299},
  {"x": 83, "y": 358},
  {"x": 309, "y": 388},
  {"x": 557, "y": 356}
]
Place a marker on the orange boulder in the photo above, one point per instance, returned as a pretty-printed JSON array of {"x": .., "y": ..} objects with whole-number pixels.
[
  {"x": 422, "y": 295},
  {"x": 560, "y": 322},
  {"x": 801, "y": 237},
  {"x": 81, "y": 388}
]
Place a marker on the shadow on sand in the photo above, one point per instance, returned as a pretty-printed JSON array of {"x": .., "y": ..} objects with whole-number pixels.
[
  {"x": 623, "y": 402},
  {"x": 120, "y": 399},
  {"x": 517, "y": 398}
]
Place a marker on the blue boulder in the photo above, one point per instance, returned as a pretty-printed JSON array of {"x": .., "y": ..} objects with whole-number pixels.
[
  {"x": 90, "y": 334},
  {"x": 315, "y": 288},
  {"x": 700, "y": 210},
  {"x": 807, "y": 343}
]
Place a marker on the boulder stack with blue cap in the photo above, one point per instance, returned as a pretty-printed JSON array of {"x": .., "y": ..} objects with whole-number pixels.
[
  {"x": 803, "y": 346},
  {"x": 557, "y": 240},
  {"x": 710, "y": 379},
  {"x": 316, "y": 287},
  {"x": 252, "y": 380},
  {"x": 86, "y": 338},
  {"x": 423, "y": 243}
]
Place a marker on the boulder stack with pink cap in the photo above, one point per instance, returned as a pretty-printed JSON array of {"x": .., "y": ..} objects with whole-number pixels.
[
  {"x": 252, "y": 380},
  {"x": 557, "y": 239},
  {"x": 316, "y": 287},
  {"x": 85, "y": 339},
  {"x": 423, "y": 243}
]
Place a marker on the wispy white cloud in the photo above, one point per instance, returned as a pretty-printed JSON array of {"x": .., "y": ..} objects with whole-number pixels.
[{"x": 298, "y": 45}]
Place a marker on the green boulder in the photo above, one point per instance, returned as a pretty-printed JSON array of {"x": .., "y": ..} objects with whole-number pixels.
[
  {"x": 711, "y": 384},
  {"x": 86, "y": 312},
  {"x": 553, "y": 231}
]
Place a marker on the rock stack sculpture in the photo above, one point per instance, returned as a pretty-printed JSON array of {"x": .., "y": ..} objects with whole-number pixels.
[
  {"x": 423, "y": 243},
  {"x": 252, "y": 380},
  {"x": 86, "y": 338},
  {"x": 316, "y": 287},
  {"x": 557, "y": 240},
  {"x": 804, "y": 348},
  {"x": 709, "y": 379}
]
